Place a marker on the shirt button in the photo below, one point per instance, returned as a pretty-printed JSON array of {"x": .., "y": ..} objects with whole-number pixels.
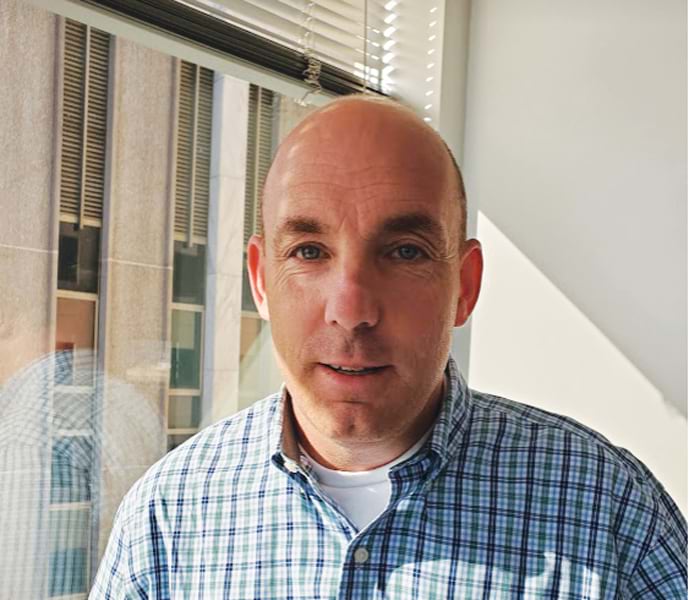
[{"x": 360, "y": 555}]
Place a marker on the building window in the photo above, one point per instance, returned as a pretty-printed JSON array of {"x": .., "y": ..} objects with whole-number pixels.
[
  {"x": 189, "y": 281},
  {"x": 78, "y": 258},
  {"x": 69, "y": 527},
  {"x": 192, "y": 196},
  {"x": 82, "y": 184},
  {"x": 185, "y": 369},
  {"x": 75, "y": 339}
]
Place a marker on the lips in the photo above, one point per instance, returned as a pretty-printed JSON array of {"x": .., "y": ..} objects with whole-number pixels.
[{"x": 354, "y": 370}]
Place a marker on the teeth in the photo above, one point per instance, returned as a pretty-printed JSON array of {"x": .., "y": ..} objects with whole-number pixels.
[{"x": 362, "y": 371}]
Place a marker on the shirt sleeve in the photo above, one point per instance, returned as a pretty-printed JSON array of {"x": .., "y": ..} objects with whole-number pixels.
[
  {"x": 130, "y": 568},
  {"x": 662, "y": 571}
]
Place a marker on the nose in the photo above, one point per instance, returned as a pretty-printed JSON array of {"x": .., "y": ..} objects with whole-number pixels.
[{"x": 352, "y": 298}]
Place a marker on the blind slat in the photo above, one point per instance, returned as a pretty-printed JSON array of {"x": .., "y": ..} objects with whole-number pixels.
[{"x": 337, "y": 26}]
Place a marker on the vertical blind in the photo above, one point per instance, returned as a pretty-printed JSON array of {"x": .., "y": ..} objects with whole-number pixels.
[
  {"x": 84, "y": 123},
  {"x": 259, "y": 154},
  {"x": 192, "y": 175}
]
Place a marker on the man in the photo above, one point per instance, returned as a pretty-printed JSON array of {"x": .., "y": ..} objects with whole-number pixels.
[{"x": 376, "y": 472}]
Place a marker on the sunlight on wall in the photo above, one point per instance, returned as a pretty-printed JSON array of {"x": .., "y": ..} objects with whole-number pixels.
[{"x": 531, "y": 344}]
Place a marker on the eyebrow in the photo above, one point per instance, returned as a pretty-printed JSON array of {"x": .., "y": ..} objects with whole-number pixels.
[
  {"x": 299, "y": 225},
  {"x": 415, "y": 222}
]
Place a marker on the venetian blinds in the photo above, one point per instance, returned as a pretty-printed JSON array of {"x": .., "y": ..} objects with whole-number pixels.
[
  {"x": 192, "y": 175},
  {"x": 259, "y": 154},
  {"x": 342, "y": 46},
  {"x": 84, "y": 123},
  {"x": 349, "y": 36}
]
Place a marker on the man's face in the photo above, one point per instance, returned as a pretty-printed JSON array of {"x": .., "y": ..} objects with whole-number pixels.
[{"x": 359, "y": 272}]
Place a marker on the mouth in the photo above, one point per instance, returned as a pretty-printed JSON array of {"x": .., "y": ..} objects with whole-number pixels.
[{"x": 354, "y": 371}]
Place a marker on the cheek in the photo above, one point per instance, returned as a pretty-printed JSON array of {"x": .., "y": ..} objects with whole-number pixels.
[{"x": 295, "y": 312}]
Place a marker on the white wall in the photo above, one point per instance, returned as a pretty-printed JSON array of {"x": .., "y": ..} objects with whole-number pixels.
[{"x": 575, "y": 153}]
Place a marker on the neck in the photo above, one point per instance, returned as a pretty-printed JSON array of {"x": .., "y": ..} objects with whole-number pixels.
[{"x": 361, "y": 454}]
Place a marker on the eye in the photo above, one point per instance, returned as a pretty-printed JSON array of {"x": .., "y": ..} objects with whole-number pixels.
[
  {"x": 308, "y": 252},
  {"x": 408, "y": 252}
]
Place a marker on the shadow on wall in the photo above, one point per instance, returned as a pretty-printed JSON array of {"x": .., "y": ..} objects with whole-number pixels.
[{"x": 531, "y": 343}]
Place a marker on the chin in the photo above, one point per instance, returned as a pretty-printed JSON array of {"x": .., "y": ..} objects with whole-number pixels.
[{"x": 353, "y": 421}]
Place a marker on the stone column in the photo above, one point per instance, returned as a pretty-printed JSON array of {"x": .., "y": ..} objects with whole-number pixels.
[
  {"x": 136, "y": 271},
  {"x": 28, "y": 273},
  {"x": 225, "y": 248}
]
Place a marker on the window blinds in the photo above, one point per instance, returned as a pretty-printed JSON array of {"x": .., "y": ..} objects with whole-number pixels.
[
  {"x": 192, "y": 174},
  {"x": 259, "y": 153},
  {"x": 341, "y": 45},
  {"x": 84, "y": 123}
]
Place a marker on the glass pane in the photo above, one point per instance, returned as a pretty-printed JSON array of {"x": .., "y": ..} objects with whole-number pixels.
[
  {"x": 259, "y": 375},
  {"x": 185, "y": 368},
  {"x": 247, "y": 297},
  {"x": 69, "y": 534},
  {"x": 74, "y": 341},
  {"x": 184, "y": 412},
  {"x": 177, "y": 439},
  {"x": 86, "y": 434},
  {"x": 70, "y": 475},
  {"x": 189, "y": 274},
  {"x": 78, "y": 258},
  {"x": 73, "y": 410}
]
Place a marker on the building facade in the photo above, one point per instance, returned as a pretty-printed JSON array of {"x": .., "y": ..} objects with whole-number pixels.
[{"x": 128, "y": 189}]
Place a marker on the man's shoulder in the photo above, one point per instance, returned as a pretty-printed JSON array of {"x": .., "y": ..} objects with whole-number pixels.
[
  {"x": 559, "y": 440},
  {"x": 520, "y": 422},
  {"x": 235, "y": 444}
]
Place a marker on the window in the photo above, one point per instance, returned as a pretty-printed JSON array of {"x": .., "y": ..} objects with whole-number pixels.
[
  {"x": 78, "y": 258},
  {"x": 192, "y": 198},
  {"x": 82, "y": 184},
  {"x": 136, "y": 326}
]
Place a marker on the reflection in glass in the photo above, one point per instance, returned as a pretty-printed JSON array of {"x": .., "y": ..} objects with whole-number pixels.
[
  {"x": 69, "y": 533},
  {"x": 75, "y": 332},
  {"x": 184, "y": 412},
  {"x": 185, "y": 368},
  {"x": 73, "y": 411},
  {"x": 70, "y": 475},
  {"x": 247, "y": 297},
  {"x": 78, "y": 258},
  {"x": 259, "y": 374}
]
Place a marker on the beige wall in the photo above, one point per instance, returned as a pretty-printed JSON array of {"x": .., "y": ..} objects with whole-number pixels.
[{"x": 575, "y": 154}]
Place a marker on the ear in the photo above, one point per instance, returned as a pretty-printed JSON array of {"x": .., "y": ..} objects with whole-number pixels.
[
  {"x": 470, "y": 273},
  {"x": 256, "y": 265}
]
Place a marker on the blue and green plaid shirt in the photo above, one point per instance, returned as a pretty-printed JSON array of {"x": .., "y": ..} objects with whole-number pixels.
[{"x": 503, "y": 501}]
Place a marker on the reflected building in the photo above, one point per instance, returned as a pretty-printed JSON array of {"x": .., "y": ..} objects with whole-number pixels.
[{"x": 128, "y": 190}]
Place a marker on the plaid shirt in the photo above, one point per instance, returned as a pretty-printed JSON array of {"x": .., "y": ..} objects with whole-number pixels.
[{"x": 503, "y": 501}]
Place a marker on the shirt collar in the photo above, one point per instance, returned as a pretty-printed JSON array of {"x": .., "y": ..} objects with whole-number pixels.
[
  {"x": 447, "y": 436},
  {"x": 445, "y": 440}
]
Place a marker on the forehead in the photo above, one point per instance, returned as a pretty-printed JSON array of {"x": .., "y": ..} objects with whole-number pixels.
[{"x": 359, "y": 167}]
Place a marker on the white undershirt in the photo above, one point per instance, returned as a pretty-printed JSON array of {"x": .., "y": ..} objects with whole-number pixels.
[{"x": 362, "y": 495}]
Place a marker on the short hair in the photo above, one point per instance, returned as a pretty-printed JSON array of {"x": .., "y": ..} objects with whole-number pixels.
[{"x": 378, "y": 99}]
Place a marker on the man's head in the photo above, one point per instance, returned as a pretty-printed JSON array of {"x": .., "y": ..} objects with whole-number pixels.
[{"x": 364, "y": 265}]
